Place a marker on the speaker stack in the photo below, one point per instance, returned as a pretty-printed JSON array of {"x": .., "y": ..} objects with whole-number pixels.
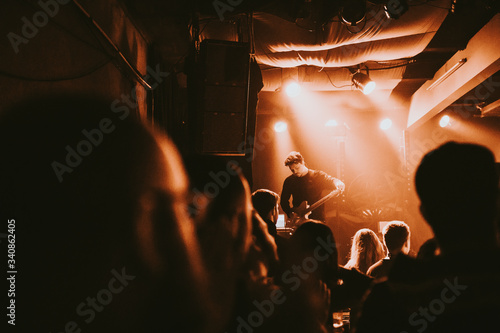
[{"x": 222, "y": 98}]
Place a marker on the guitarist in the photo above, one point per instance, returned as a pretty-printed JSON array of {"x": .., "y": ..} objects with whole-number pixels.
[{"x": 305, "y": 186}]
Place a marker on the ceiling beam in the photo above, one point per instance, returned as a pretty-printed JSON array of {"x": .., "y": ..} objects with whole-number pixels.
[
  {"x": 492, "y": 109},
  {"x": 483, "y": 60}
]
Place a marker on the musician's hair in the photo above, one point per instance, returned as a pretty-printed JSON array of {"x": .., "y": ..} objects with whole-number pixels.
[
  {"x": 264, "y": 201},
  {"x": 293, "y": 157}
]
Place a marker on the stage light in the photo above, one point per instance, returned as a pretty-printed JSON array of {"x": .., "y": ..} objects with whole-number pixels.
[
  {"x": 395, "y": 8},
  {"x": 280, "y": 126},
  {"x": 335, "y": 129},
  {"x": 447, "y": 74},
  {"x": 353, "y": 12},
  {"x": 445, "y": 121},
  {"x": 331, "y": 123},
  {"x": 363, "y": 82},
  {"x": 385, "y": 124},
  {"x": 292, "y": 89}
]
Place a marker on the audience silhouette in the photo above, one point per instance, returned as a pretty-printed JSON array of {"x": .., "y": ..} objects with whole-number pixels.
[
  {"x": 459, "y": 289},
  {"x": 115, "y": 232},
  {"x": 236, "y": 247},
  {"x": 428, "y": 249},
  {"x": 103, "y": 241},
  {"x": 396, "y": 235},
  {"x": 313, "y": 260},
  {"x": 366, "y": 249},
  {"x": 266, "y": 203}
]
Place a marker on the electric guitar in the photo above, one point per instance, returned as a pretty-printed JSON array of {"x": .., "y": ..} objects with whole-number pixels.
[{"x": 302, "y": 211}]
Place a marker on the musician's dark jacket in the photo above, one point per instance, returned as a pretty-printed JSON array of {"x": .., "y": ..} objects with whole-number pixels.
[{"x": 308, "y": 188}]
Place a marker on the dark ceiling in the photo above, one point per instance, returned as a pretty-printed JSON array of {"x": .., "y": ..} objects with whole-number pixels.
[
  {"x": 167, "y": 24},
  {"x": 453, "y": 35}
]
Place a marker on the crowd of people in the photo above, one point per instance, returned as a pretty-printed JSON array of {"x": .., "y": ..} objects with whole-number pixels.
[{"x": 116, "y": 231}]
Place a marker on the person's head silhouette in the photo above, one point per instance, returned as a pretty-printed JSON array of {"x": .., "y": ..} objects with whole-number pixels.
[
  {"x": 457, "y": 185},
  {"x": 101, "y": 219}
]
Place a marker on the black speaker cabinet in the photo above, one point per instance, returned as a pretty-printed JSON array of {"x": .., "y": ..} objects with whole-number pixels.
[{"x": 222, "y": 112}]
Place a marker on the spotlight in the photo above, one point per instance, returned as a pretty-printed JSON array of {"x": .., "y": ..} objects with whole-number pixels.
[
  {"x": 335, "y": 129},
  {"x": 280, "y": 126},
  {"x": 353, "y": 12},
  {"x": 292, "y": 89},
  {"x": 363, "y": 82},
  {"x": 385, "y": 124},
  {"x": 331, "y": 123},
  {"x": 445, "y": 121},
  {"x": 395, "y": 8}
]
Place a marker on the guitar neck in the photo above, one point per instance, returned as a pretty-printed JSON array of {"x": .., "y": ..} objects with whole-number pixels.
[{"x": 322, "y": 200}]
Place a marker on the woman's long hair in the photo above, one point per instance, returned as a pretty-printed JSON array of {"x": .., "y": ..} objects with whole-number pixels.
[{"x": 366, "y": 249}]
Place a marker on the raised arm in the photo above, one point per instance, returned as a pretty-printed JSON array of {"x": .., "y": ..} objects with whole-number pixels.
[{"x": 330, "y": 183}]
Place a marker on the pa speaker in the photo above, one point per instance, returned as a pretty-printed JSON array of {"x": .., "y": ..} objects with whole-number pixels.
[{"x": 222, "y": 112}]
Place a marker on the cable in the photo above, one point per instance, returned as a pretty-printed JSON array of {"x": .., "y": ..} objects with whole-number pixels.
[
  {"x": 135, "y": 72},
  {"x": 394, "y": 66},
  {"x": 205, "y": 27},
  {"x": 329, "y": 79},
  {"x": 251, "y": 35},
  {"x": 119, "y": 54}
]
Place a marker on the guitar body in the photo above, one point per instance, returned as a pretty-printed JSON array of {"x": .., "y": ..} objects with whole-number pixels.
[
  {"x": 301, "y": 212},
  {"x": 299, "y": 215}
]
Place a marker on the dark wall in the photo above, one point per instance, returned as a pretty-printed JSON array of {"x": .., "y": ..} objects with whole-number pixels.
[{"x": 56, "y": 49}]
